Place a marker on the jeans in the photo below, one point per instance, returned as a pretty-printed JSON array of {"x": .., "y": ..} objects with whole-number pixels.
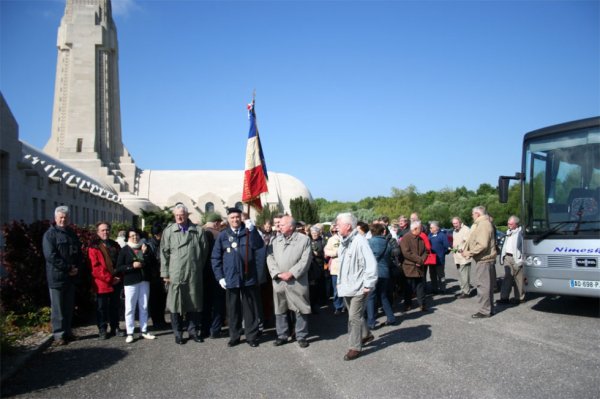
[
  {"x": 381, "y": 292},
  {"x": 338, "y": 303}
]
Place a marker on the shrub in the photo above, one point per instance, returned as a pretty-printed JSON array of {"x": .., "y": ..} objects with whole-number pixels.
[{"x": 23, "y": 285}]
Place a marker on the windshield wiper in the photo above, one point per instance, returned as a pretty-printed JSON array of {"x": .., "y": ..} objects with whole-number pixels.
[{"x": 553, "y": 230}]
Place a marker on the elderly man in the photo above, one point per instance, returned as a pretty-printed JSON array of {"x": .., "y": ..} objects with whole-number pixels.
[
  {"x": 413, "y": 265},
  {"x": 183, "y": 254},
  {"x": 103, "y": 253},
  {"x": 62, "y": 250},
  {"x": 288, "y": 259},
  {"x": 481, "y": 247},
  {"x": 234, "y": 266},
  {"x": 512, "y": 259},
  {"x": 459, "y": 239},
  {"x": 357, "y": 277}
]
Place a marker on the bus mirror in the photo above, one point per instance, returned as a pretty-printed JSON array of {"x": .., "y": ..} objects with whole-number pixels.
[{"x": 503, "y": 189}]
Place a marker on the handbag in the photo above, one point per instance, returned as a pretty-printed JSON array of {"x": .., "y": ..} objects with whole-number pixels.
[{"x": 431, "y": 259}]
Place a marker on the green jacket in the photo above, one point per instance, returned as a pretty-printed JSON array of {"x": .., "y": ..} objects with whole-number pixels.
[{"x": 183, "y": 258}]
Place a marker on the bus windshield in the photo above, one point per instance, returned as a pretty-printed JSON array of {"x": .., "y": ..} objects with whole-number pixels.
[{"x": 562, "y": 184}]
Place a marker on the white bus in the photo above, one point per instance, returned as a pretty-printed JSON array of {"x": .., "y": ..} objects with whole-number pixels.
[{"x": 560, "y": 215}]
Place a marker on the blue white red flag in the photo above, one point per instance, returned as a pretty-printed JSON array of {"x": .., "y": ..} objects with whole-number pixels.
[{"x": 255, "y": 175}]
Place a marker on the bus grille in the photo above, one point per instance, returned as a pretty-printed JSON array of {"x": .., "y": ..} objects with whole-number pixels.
[{"x": 571, "y": 261}]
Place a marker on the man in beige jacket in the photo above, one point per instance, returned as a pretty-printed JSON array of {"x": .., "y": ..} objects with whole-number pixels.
[
  {"x": 481, "y": 247},
  {"x": 459, "y": 239}
]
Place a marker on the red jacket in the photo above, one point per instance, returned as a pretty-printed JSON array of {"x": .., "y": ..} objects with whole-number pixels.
[{"x": 103, "y": 279}]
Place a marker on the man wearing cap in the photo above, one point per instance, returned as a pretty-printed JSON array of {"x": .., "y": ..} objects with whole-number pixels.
[
  {"x": 289, "y": 258},
  {"x": 234, "y": 266},
  {"x": 184, "y": 254}
]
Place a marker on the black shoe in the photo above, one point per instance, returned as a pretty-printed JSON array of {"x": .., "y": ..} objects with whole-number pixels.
[
  {"x": 303, "y": 343},
  {"x": 179, "y": 341},
  {"x": 233, "y": 342},
  {"x": 102, "y": 335},
  {"x": 462, "y": 296},
  {"x": 337, "y": 312},
  {"x": 70, "y": 338},
  {"x": 502, "y": 302},
  {"x": 279, "y": 342},
  {"x": 389, "y": 324},
  {"x": 253, "y": 343},
  {"x": 118, "y": 332},
  {"x": 215, "y": 335},
  {"x": 480, "y": 315},
  {"x": 197, "y": 338}
]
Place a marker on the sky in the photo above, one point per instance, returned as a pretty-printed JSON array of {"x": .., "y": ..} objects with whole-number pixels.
[{"x": 352, "y": 97}]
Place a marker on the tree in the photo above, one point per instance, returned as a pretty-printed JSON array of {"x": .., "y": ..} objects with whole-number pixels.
[
  {"x": 161, "y": 217},
  {"x": 303, "y": 209}
]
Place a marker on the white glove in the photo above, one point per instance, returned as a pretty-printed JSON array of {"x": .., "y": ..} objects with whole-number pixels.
[
  {"x": 222, "y": 282},
  {"x": 249, "y": 224}
]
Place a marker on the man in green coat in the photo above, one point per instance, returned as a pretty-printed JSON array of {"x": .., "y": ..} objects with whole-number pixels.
[{"x": 184, "y": 253}]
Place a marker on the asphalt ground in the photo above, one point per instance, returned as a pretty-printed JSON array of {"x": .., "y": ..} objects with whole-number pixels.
[{"x": 547, "y": 347}]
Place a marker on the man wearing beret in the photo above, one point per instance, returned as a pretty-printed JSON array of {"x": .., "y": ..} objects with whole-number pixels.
[{"x": 234, "y": 266}]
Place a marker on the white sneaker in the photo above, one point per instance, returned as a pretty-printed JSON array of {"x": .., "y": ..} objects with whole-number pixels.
[
  {"x": 147, "y": 335},
  {"x": 129, "y": 339}
]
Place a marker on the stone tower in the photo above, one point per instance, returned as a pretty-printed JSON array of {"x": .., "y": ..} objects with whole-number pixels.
[{"x": 86, "y": 120}]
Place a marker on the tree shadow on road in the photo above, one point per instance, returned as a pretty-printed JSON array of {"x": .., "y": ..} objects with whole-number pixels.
[{"x": 58, "y": 366}]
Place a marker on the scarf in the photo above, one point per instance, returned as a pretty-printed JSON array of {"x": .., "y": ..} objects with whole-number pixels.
[
  {"x": 107, "y": 258},
  {"x": 135, "y": 246}
]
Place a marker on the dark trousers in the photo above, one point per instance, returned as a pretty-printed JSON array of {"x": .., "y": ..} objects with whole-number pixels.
[
  {"x": 192, "y": 323},
  {"x": 214, "y": 308},
  {"x": 157, "y": 303},
  {"x": 62, "y": 301},
  {"x": 107, "y": 310},
  {"x": 417, "y": 285},
  {"x": 242, "y": 303}
]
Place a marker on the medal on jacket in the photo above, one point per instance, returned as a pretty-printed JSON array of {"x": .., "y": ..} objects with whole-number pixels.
[{"x": 234, "y": 245}]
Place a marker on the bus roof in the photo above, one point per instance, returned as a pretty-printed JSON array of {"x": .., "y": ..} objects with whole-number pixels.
[{"x": 573, "y": 125}]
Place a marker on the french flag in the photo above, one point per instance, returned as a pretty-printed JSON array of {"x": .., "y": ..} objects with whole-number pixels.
[{"x": 255, "y": 174}]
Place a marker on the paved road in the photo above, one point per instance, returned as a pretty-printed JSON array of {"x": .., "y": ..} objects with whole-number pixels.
[{"x": 548, "y": 347}]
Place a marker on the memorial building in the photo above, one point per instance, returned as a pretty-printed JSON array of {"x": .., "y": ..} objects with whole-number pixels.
[{"x": 84, "y": 164}]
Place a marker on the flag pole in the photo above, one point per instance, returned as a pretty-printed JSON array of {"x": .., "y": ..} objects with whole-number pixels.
[{"x": 247, "y": 242}]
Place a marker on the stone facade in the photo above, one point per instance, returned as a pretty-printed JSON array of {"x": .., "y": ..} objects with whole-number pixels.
[{"x": 33, "y": 183}]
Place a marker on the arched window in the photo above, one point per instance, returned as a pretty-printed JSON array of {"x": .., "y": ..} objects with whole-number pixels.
[{"x": 209, "y": 207}]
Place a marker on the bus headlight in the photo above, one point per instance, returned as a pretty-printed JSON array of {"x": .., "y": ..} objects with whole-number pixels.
[
  {"x": 538, "y": 283},
  {"x": 533, "y": 261}
]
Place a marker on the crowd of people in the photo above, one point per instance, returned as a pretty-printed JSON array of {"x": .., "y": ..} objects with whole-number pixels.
[{"x": 253, "y": 277}]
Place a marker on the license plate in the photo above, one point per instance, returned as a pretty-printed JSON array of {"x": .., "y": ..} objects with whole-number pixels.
[{"x": 585, "y": 284}]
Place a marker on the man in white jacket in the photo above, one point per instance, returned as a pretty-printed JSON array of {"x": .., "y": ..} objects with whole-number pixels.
[
  {"x": 512, "y": 259},
  {"x": 357, "y": 277}
]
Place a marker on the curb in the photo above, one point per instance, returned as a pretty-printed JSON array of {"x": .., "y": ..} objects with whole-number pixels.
[{"x": 22, "y": 359}]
